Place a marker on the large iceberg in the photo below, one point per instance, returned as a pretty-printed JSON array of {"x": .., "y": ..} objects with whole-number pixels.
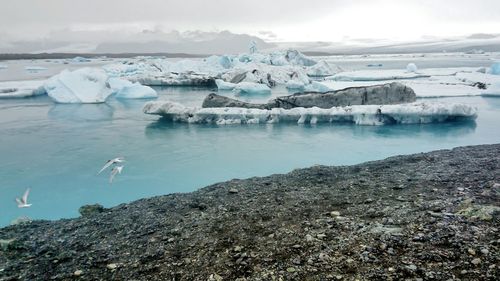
[
  {"x": 125, "y": 89},
  {"x": 323, "y": 69},
  {"x": 412, "y": 113},
  {"x": 84, "y": 85}
]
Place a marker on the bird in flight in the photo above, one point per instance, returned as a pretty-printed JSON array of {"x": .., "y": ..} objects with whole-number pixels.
[
  {"x": 23, "y": 202},
  {"x": 111, "y": 162}
]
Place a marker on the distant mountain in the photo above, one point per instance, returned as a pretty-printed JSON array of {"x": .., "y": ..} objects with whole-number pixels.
[{"x": 147, "y": 41}]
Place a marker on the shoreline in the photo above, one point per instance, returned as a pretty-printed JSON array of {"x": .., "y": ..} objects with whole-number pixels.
[{"x": 431, "y": 215}]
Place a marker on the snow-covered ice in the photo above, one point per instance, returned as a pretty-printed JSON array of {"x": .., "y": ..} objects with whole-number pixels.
[
  {"x": 412, "y": 113},
  {"x": 323, "y": 69},
  {"x": 224, "y": 86},
  {"x": 84, "y": 85}
]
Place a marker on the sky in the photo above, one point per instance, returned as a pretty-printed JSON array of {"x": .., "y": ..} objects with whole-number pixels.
[{"x": 276, "y": 20}]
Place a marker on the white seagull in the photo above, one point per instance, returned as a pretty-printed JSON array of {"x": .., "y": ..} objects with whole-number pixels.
[
  {"x": 111, "y": 162},
  {"x": 116, "y": 170},
  {"x": 23, "y": 202}
]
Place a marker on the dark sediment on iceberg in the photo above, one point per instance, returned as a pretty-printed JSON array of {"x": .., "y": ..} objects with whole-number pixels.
[{"x": 429, "y": 216}]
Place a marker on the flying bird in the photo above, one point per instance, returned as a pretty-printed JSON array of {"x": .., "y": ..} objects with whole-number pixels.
[
  {"x": 111, "y": 162},
  {"x": 23, "y": 202},
  {"x": 116, "y": 170}
]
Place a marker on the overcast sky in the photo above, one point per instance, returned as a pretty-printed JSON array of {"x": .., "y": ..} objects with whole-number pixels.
[{"x": 284, "y": 20}]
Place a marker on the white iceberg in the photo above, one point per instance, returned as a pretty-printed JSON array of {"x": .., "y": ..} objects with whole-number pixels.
[
  {"x": 295, "y": 85},
  {"x": 411, "y": 67},
  {"x": 84, "y": 85},
  {"x": 250, "y": 88},
  {"x": 3, "y": 66},
  {"x": 21, "y": 89},
  {"x": 412, "y": 113},
  {"x": 80, "y": 59},
  {"x": 124, "y": 89}
]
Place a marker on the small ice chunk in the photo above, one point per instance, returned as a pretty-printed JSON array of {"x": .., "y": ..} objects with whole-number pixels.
[
  {"x": 317, "y": 87},
  {"x": 125, "y": 89},
  {"x": 223, "y": 85},
  {"x": 495, "y": 68},
  {"x": 3, "y": 66},
  {"x": 84, "y": 85},
  {"x": 35, "y": 68},
  {"x": 251, "y": 88},
  {"x": 21, "y": 89},
  {"x": 411, "y": 67},
  {"x": 80, "y": 59},
  {"x": 294, "y": 85}
]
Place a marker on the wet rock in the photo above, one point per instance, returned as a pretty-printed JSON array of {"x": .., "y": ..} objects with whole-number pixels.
[{"x": 88, "y": 210}]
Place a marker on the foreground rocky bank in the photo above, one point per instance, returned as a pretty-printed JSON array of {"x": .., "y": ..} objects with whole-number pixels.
[{"x": 432, "y": 216}]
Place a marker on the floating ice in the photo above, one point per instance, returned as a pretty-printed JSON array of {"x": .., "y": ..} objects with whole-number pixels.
[
  {"x": 21, "y": 89},
  {"x": 411, "y": 67},
  {"x": 295, "y": 85},
  {"x": 127, "y": 90},
  {"x": 80, "y": 59},
  {"x": 250, "y": 88},
  {"x": 495, "y": 68},
  {"x": 35, "y": 68},
  {"x": 84, "y": 85},
  {"x": 412, "y": 113},
  {"x": 323, "y": 69},
  {"x": 317, "y": 87},
  {"x": 224, "y": 86},
  {"x": 3, "y": 66}
]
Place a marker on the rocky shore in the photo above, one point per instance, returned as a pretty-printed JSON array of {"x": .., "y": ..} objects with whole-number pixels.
[{"x": 429, "y": 216}]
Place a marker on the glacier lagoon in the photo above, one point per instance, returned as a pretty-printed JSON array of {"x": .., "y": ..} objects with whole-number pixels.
[{"x": 57, "y": 149}]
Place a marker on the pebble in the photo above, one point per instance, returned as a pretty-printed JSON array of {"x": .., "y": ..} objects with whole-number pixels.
[
  {"x": 411, "y": 267},
  {"x": 484, "y": 251},
  {"x": 291, "y": 269},
  {"x": 78, "y": 272},
  {"x": 476, "y": 261},
  {"x": 238, "y": 248},
  {"x": 112, "y": 266},
  {"x": 309, "y": 238},
  {"x": 471, "y": 251},
  {"x": 335, "y": 214},
  {"x": 170, "y": 240},
  {"x": 321, "y": 236},
  {"x": 233, "y": 190}
]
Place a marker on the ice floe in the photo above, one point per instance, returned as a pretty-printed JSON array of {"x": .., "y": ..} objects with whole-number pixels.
[
  {"x": 495, "y": 68},
  {"x": 84, "y": 85},
  {"x": 412, "y": 113},
  {"x": 250, "y": 88},
  {"x": 21, "y": 89},
  {"x": 35, "y": 68}
]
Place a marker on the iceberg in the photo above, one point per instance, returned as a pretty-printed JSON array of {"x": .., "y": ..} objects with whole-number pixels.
[
  {"x": 3, "y": 66},
  {"x": 84, "y": 85},
  {"x": 21, "y": 89},
  {"x": 495, "y": 68},
  {"x": 411, "y": 67},
  {"x": 224, "y": 86},
  {"x": 80, "y": 59},
  {"x": 317, "y": 87},
  {"x": 412, "y": 113},
  {"x": 295, "y": 85},
  {"x": 125, "y": 89},
  {"x": 323, "y": 69},
  {"x": 250, "y": 88}
]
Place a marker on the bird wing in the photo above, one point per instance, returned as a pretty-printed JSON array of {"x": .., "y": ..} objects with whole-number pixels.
[
  {"x": 113, "y": 174},
  {"x": 108, "y": 163},
  {"x": 18, "y": 201},
  {"x": 25, "y": 196}
]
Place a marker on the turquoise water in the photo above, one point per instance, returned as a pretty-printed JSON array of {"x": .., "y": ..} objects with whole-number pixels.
[{"x": 57, "y": 150}]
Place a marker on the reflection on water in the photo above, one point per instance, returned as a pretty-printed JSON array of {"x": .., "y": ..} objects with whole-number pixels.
[{"x": 81, "y": 112}]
